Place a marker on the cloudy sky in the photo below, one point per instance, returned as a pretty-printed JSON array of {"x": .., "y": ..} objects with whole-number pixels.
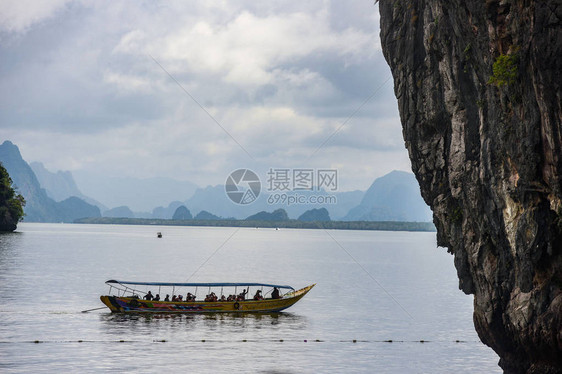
[{"x": 195, "y": 89}]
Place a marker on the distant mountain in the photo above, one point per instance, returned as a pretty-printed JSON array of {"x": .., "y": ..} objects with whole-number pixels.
[
  {"x": 60, "y": 185},
  {"x": 214, "y": 199},
  {"x": 119, "y": 212},
  {"x": 276, "y": 215},
  {"x": 165, "y": 213},
  {"x": 392, "y": 197},
  {"x": 141, "y": 195},
  {"x": 315, "y": 215},
  {"x": 75, "y": 208},
  {"x": 182, "y": 213},
  {"x": 143, "y": 214},
  {"x": 346, "y": 201},
  {"x": 204, "y": 215},
  {"x": 39, "y": 207}
]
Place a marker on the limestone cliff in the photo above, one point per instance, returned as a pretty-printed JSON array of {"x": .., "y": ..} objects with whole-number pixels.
[{"x": 478, "y": 85}]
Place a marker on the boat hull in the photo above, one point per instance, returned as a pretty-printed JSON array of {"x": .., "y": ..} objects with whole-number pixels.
[{"x": 133, "y": 305}]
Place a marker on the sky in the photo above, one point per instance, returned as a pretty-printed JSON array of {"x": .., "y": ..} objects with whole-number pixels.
[{"x": 193, "y": 90}]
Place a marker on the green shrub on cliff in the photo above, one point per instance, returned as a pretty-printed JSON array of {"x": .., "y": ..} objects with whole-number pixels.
[
  {"x": 11, "y": 204},
  {"x": 504, "y": 70}
]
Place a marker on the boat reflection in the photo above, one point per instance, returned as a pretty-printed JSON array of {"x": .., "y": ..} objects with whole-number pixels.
[{"x": 120, "y": 323}]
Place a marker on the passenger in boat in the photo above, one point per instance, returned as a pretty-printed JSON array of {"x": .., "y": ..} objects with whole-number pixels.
[
  {"x": 167, "y": 298},
  {"x": 157, "y": 297},
  {"x": 174, "y": 298},
  {"x": 223, "y": 298},
  {"x": 189, "y": 297},
  {"x": 180, "y": 298},
  {"x": 148, "y": 296},
  {"x": 258, "y": 295},
  {"x": 212, "y": 297},
  {"x": 231, "y": 298},
  {"x": 242, "y": 296},
  {"x": 275, "y": 293}
]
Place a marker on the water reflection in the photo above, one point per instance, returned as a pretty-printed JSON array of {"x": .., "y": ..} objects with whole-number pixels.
[
  {"x": 9, "y": 260},
  {"x": 8, "y": 243},
  {"x": 50, "y": 272},
  {"x": 117, "y": 323}
]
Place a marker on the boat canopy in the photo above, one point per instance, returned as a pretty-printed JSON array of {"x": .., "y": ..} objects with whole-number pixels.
[{"x": 113, "y": 281}]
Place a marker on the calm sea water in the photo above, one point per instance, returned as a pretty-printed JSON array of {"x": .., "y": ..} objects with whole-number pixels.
[{"x": 372, "y": 287}]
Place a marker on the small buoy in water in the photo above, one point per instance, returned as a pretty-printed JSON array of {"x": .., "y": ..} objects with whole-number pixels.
[{"x": 159, "y": 234}]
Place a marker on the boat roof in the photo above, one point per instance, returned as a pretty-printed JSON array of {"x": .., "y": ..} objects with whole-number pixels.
[{"x": 198, "y": 284}]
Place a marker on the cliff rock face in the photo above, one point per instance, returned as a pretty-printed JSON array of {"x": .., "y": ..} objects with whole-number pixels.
[{"x": 478, "y": 85}]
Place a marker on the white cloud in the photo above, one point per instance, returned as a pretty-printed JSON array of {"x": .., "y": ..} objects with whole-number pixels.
[
  {"x": 19, "y": 15},
  {"x": 82, "y": 93},
  {"x": 248, "y": 48},
  {"x": 127, "y": 83}
]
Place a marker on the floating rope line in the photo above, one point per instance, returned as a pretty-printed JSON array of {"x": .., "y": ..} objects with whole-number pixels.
[{"x": 352, "y": 341}]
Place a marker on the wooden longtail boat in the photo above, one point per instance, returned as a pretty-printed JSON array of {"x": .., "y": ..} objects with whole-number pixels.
[{"x": 124, "y": 297}]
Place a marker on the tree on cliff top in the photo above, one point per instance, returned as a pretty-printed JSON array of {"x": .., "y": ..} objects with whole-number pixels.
[{"x": 11, "y": 204}]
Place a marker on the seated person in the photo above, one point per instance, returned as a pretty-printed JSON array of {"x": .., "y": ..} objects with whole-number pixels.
[
  {"x": 275, "y": 293},
  {"x": 148, "y": 296},
  {"x": 258, "y": 295},
  {"x": 167, "y": 298},
  {"x": 157, "y": 297},
  {"x": 180, "y": 298},
  {"x": 174, "y": 298}
]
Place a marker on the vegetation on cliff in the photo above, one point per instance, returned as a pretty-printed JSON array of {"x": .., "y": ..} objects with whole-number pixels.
[{"x": 11, "y": 203}]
